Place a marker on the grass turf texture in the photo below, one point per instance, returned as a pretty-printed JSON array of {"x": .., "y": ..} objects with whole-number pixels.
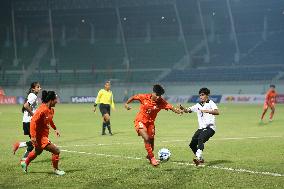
[{"x": 109, "y": 161}]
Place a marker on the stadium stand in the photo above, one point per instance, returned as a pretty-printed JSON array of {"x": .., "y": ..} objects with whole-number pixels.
[{"x": 153, "y": 42}]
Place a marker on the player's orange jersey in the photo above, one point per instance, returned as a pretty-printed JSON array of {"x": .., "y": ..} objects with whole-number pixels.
[
  {"x": 149, "y": 108},
  {"x": 270, "y": 97},
  {"x": 40, "y": 121}
]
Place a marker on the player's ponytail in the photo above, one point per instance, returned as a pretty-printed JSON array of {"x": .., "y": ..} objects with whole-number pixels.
[
  {"x": 43, "y": 96},
  {"x": 47, "y": 96}
]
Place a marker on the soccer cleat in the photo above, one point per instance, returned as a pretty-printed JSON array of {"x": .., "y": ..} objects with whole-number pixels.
[
  {"x": 24, "y": 166},
  {"x": 16, "y": 147},
  {"x": 59, "y": 172},
  {"x": 199, "y": 163},
  {"x": 154, "y": 162}
]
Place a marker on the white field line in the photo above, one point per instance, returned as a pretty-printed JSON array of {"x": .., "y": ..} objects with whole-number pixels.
[
  {"x": 186, "y": 164},
  {"x": 168, "y": 141}
]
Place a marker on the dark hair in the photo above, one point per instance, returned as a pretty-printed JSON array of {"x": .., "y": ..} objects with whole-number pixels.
[
  {"x": 33, "y": 85},
  {"x": 273, "y": 86},
  {"x": 158, "y": 89},
  {"x": 205, "y": 91},
  {"x": 47, "y": 96}
]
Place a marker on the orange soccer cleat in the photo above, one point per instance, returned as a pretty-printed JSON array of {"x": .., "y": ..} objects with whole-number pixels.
[{"x": 16, "y": 147}]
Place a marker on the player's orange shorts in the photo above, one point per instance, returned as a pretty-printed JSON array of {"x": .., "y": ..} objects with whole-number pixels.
[
  {"x": 149, "y": 127},
  {"x": 42, "y": 142},
  {"x": 268, "y": 105}
]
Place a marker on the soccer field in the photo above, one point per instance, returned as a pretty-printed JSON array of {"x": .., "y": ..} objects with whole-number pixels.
[{"x": 242, "y": 153}]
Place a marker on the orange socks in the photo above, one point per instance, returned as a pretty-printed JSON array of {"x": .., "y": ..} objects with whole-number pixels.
[
  {"x": 32, "y": 155},
  {"x": 55, "y": 160},
  {"x": 149, "y": 150}
]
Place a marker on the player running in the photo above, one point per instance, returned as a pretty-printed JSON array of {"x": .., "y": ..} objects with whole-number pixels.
[
  {"x": 270, "y": 100},
  {"x": 42, "y": 119},
  {"x": 28, "y": 109},
  {"x": 150, "y": 105},
  {"x": 206, "y": 110}
]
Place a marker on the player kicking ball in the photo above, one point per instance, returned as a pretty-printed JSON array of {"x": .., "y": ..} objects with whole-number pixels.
[
  {"x": 150, "y": 105},
  {"x": 206, "y": 110}
]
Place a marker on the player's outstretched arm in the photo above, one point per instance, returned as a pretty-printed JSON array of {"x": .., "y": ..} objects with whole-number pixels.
[
  {"x": 177, "y": 110},
  {"x": 127, "y": 107},
  {"x": 185, "y": 110}
]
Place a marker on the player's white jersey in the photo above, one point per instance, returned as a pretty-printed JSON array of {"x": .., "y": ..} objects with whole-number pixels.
[
  {"x": 33, "y": 102},
  {"x": 205, "y": 119}
]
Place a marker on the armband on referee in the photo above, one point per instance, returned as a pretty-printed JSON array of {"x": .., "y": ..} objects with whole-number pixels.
[{"x": 95, "y": 105}]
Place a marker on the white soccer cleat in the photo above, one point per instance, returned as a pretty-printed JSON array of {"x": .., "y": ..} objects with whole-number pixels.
[{"x": 59, "y": 172}]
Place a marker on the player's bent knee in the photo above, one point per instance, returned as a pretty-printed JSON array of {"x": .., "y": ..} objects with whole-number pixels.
[
  {"x": 56, "y": 151},
  {"x": 30, "y": 148},
  {"x": 106, "y": 117}
]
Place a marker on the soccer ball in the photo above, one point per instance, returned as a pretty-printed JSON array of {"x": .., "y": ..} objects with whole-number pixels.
[{"x": 164, "y": 154}]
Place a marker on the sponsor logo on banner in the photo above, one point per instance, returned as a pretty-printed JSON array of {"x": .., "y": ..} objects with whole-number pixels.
[
  {"x": 242, "y": 98},
  {"x": 280, "y": 99},
  {"x": 178, "y": 98},
  {"x": 214, "y": 98},
  {"x": 83, "y": 99},
  {"x": 8, "y": 100}
]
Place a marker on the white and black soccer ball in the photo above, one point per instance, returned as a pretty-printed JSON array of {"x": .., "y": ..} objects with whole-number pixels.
[{"x": 164, "y": 154}]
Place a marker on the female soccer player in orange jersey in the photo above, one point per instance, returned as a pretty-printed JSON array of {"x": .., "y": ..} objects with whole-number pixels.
[
  {"x": 270, "y": 100},
  {"x": 151, "y": 104},
  {"x": 39, "y": 131}
]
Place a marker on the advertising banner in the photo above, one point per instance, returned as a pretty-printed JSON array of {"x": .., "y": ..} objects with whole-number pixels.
[
  {"x": 243, "y": 98},
  {"x": 214, "y": 98},
  {"x": 280, "y": 99},
  {"x": 8, "y": 100},
  {"x": 178, "y": 98},
  {"x": 83, "y": 99}
]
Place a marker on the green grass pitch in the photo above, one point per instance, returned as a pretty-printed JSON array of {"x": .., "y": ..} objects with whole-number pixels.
[{"x": 242, "y": 153}]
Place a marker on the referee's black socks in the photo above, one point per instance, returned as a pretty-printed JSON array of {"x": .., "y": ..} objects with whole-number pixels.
[
  {"x": 108, "y": 127},
  {"x": 104, "y": 128}
]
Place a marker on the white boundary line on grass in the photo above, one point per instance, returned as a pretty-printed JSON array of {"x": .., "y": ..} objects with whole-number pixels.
[
  {"x": 169, "y": 141},
  {"x": 179, "y": 163}
]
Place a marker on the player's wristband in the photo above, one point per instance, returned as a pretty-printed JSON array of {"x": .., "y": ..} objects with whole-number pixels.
[{"x": 95, "y": 105}]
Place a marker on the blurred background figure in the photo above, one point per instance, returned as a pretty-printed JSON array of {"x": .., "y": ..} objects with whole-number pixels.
[{"x": 270, "y": 101}]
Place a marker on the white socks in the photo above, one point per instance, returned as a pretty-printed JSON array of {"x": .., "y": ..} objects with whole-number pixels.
[
  {"x": 22, "y": 144},
  {"x": 199, "y": 154}
]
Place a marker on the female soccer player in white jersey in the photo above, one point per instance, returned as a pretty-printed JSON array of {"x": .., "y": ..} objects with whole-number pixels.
[
  {"x": 206, "y": 110},
  {"x": 29, "y": 108}
]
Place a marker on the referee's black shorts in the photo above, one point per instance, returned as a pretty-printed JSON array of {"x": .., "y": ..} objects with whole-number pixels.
[{"x": 105, "y": 109}]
